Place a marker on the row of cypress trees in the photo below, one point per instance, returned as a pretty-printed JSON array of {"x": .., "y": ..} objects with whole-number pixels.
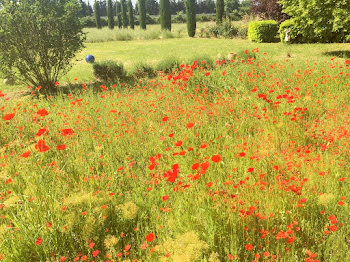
[{"x": 125, "y": 15}]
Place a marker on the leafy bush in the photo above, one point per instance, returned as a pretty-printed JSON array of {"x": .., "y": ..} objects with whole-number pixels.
[
  {"x": 242, "y": 31},
  {"x": 142, "y": 70},
  {"x": 38, "y": 40},
  {"x": 322, "y": 21},
  {"x": 294, "y": 33},
  {"x": 151, "y": 21},
  {"x": 205, "y": 18},
  {"x": 108, "y": 71},
  {"x": 263, "y": 31},
  {"x": 90, "y": 22},
  {"x": 226, "y": 29},
  {"x": 167, "y": 65},
  {"x": 179, "y": 18}
]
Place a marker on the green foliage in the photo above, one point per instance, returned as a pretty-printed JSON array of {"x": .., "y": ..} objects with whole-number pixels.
[
  {"x": 107, "y": 71},
  {"x": 220, "y": 9},
  {"x": 243, "y": 31},
  {"x": 191, "y": 17},
  {"x": 38, "y": 40},
  {"x": 205, "y": 18},
  {"x": 125, "y": 19},
  {"x": 168, "y": 64},
  {"x": 110, "y": 14},
  {"x": 165, "y": 14},
  {"x": 291, "y": 29},
  {"x": 119, "y": 14},
  {"x": 179, "y": 18},
  {"x": 142, "y": 12},
  {"x": 131, "y": 15},
  {"x": 263, "y": 31},
  {"x": 89, "y": 21},
  {"x": 142, "y": 70},
  {"x": 231, "y": 6},
  {"x": 226, "y": 30},
  {"x": 324, "y": 21},
  {"x": 97, "y": 14}
]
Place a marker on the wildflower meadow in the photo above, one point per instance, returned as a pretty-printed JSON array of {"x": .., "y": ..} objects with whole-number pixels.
[{"x": 246, "y": 160}]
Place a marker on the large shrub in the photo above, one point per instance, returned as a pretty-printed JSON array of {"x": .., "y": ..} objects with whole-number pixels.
[
  {"x": 322, "y": 21},
  {"x": 38, "y": 39},
  {"x": 263, "y": 31},
  {"x": 109, "y": 70}
]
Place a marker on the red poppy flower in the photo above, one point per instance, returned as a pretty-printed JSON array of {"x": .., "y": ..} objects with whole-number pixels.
[
  {"x": 150, "y": 237},
  {"x": 250, "y": 169},
  {"x": 190, "y": 125},
  {"x": 67, "y": 131},
  {"x": 38, "y": 241},
  {"x": 205, "y": 165},
  {"x": 95, "y": 253},
  {"x": 26, "y": 154},
  {"x": 195, "y": 166},
  {"x": 249, "y": 247},
  {"x": 347, "y": 62},
  {"x": 8, "y": 116},
  {"x": 164, "y": 119},
  {"x": 42, "y": 112},
  {"x": 165, "y": 198},
  {"x": 333, "y": 228},
  {"x": 207, "y": 74},
  {"x": 61, "y": 147},
  {"x": 216, "y": 158},
  {"x": 40, "y": 132},
  {"x": 41, "y": 146},
  {"x": 178, "y": 143}
]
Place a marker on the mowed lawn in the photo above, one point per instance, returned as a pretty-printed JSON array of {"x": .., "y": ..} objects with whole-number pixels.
[{"x": 185, "y": 48}]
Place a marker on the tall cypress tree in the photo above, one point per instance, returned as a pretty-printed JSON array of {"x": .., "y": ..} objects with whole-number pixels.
[
  {"x": 191, "y": 17},
  {"x": 165, "y": 14},
  {"x": 110, "y": 14},
  {"x": 119, "y": 14},
  {"x": 220, "y": 9},
  {"x": 131, "y": 14},
  {"x": 124, "y": 14},
  {"x": 97, "y": 14},
  {"x": 142, "y": 12}
]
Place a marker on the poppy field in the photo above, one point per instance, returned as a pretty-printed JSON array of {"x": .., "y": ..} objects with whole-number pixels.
[{"x": 246, "y": 160}]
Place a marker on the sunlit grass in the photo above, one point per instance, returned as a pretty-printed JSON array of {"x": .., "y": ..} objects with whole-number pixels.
[{"x": 245, "y": 160}]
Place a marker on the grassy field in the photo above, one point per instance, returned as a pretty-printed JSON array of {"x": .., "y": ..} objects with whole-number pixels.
[
  {"x": 246, "y": 161},
  {"x": 183, "y": 48}
]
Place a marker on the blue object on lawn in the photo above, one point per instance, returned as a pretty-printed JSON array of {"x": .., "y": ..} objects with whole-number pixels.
[{"x": 90, "y": 59}]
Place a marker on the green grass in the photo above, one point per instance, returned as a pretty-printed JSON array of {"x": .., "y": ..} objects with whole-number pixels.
[
  {"x": 247, "y": 159},
  {"x": 184, "y": 49},
  {"x": 153, "y": 51}
]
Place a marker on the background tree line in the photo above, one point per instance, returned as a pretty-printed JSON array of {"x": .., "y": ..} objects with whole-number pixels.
[{"x": 202, "y": 7}]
